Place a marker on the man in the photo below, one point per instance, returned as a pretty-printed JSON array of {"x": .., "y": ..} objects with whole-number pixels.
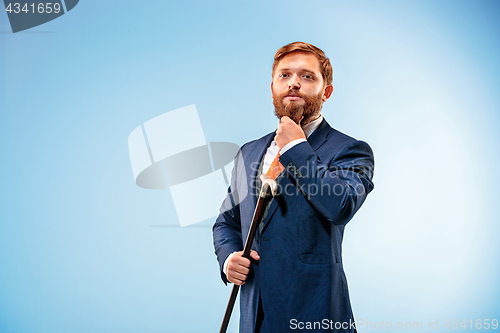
[{"x": 295, "y": 278}]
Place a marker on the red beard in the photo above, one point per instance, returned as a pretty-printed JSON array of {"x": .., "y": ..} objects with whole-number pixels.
[{"x": 309, "y": 107}]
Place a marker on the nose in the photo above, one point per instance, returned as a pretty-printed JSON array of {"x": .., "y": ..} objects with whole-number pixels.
[{"x": 294, "y": 82}]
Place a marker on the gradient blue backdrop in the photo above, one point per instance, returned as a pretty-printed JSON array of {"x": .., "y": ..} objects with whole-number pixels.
[{"x": 82, "y": 248}]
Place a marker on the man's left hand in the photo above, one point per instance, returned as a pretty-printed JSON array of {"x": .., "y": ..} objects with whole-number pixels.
[{"x": 288, "y": 131}]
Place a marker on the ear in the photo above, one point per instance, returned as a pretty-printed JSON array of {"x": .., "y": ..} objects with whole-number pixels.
[
  {"x": 272, "y": 89},
  {"x": 327, "y": 93}
]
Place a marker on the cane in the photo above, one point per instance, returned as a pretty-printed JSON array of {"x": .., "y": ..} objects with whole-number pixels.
[{"x": 269, "y": 186}]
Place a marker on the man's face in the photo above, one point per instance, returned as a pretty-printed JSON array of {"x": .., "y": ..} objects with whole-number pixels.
[{"x": 298, "y": 88}]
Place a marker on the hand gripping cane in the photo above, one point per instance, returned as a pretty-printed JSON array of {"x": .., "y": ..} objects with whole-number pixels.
[{"x": 269, "y": 187}]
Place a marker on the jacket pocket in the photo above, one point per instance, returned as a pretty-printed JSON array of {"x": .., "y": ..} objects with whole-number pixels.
[{"x": 308, "y": 258}]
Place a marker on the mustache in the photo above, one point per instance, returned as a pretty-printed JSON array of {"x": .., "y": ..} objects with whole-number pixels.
[
  {"x": 294, "y": 109},
  {"x": 292, "y": 92}
]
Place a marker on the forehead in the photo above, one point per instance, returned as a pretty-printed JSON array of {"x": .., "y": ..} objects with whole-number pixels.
[{"x": 300, "y": 60}]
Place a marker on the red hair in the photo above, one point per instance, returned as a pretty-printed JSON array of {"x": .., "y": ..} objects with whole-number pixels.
[{"x": 324, "y": 62}]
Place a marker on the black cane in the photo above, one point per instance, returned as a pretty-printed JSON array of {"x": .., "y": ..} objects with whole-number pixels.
[{"x": 269, "y": 187}]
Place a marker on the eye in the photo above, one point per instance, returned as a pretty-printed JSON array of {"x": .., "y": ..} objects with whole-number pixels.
[
  {"x": 284, "y": 75},
  {"x": 308, "y": 76}
]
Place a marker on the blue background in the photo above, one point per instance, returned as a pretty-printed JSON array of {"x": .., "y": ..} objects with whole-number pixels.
[{"x": 81, "y": 246}]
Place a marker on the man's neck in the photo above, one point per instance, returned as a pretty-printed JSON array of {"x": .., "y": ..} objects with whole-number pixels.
[{"x": 311, "y": 119}]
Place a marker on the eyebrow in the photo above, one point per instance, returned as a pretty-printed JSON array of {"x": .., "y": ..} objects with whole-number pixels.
[{"x": 302, "y": 70}]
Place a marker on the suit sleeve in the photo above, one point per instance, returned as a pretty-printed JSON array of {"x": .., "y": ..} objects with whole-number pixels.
[
  {"x": 227, "y": 227},
  {"x": 336, "y": 188}
]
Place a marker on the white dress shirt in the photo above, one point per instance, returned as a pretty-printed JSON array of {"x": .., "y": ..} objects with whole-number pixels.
[{"x": 271, "y": 153}]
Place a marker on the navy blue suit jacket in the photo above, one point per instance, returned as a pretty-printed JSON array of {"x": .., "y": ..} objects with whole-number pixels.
[{"x": 299, "y": 276}]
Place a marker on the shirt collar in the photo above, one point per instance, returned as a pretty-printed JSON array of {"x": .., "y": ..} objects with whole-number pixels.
[
  {"x": 312, "y": 126},
  {"x": 308, "y": 128}
]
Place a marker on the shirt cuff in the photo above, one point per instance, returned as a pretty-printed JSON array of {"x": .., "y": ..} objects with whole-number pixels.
[
  {"x": 224, "y": 268},
  {"x": 291, "y": 144}
]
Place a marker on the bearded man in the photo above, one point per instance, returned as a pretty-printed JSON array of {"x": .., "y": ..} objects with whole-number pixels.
[{"x": 295, "y": 278}]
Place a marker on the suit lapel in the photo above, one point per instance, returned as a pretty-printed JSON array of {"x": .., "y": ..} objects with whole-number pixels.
[
  {"x": 255, "y": 156},
  {"x": 316, "y": 140},
  {"x": 319, "y": 136}
]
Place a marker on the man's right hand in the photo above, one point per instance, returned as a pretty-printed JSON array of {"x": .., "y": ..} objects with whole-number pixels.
[{"x": 239, "y": 267}]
